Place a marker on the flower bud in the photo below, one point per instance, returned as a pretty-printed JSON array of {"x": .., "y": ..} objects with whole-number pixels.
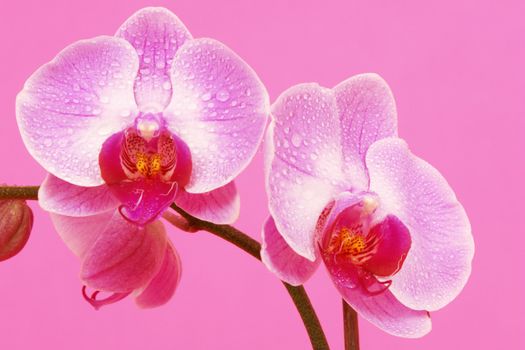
[{"x": 16, "y": 221}]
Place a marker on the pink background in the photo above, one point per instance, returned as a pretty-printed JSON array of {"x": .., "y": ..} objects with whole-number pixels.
[{"x": 457, "y": 71}]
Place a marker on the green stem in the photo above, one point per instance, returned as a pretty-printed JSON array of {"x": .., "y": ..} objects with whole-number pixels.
[
  {"x": 252, "y": 247},
  {"x": 351, "y": 327},
  {"x": 232, "y": 235}
]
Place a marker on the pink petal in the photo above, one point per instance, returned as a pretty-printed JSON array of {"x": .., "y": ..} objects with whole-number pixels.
[
  {"x": 393, "y": 247},
  {"x": 162, "y": 287},
  {"x": 439, "y": 261},
  {"x": 304, "y": 162},
  {"x": 385, "y": 311},
  {"x": 219, "y": 109},
  {"x": 125, "y": 257},
  {"x": 80, "y": 233},
  {"x": 220, "y": 206},
  {"x": 367, "y": 113},
  {"x": 70, "y": 106},
  {"x": 60, "y": 197},
  {"x": 156, "y": 33},
  {"x": 280, "y": 259}
]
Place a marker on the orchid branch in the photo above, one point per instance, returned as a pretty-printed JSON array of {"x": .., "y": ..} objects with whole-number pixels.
[
  {"x": 351, "y": 327},
  {"x": 19, "y": 192},
  {"x": 252, "y": 247},
  {"x": 230, "y": 234}
]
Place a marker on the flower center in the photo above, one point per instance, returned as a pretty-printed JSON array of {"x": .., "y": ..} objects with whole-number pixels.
[
  {"x": 150, "y": 157},
  {"x": 349, "y": 243},
  {"x": 361, "y": 248},
  {"x": 144, "y": 166}
]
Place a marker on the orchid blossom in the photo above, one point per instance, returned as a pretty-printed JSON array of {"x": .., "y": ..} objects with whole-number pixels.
[
  {"x": 125, "y": 125},
  {"x": 345, "y": 190}
]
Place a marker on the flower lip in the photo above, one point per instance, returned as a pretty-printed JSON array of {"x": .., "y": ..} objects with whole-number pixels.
[
  {"x": 144, "y": 166},
  {"x": 362, "y": 248},
  {"x": 98, "y": 303}
]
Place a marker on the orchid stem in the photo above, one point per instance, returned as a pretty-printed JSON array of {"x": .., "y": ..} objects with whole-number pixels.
[
  {"x": 19, "y": 192},
  {"x": 230, "y": 234},
  {"x": 252, "y": 247},
  {"x": 351, "y": 327}
]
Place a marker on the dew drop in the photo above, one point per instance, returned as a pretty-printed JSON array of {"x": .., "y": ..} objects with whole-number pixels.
[
  {"x": 223, "y": 95},
  {"x": 296, "y": 140},
  {"x": 206, "y": 96},
  {"x": 166, "y": 85}
]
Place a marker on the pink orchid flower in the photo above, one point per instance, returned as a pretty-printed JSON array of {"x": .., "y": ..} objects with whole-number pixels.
[
  {"x": 127, "y": 125},
  {"x": 345, "y": 190}
]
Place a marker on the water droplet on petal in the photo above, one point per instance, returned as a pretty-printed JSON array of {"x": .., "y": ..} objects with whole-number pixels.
[
  {"x": 223, "y": 95},
  {"x": 206, "y": 96},
  {"x": 296, "y": 140}
]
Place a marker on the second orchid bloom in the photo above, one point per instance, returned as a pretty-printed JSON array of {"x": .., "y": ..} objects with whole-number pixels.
[{"x": 345, "y": 190}]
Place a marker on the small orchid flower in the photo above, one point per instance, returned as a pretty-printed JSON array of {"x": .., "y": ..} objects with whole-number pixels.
[
  {"x": 127, "y": 125},
  {"x": 345, "y": 190}
]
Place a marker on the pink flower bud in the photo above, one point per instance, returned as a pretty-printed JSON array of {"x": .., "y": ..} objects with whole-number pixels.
[{"x": 16, "y": 221}]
